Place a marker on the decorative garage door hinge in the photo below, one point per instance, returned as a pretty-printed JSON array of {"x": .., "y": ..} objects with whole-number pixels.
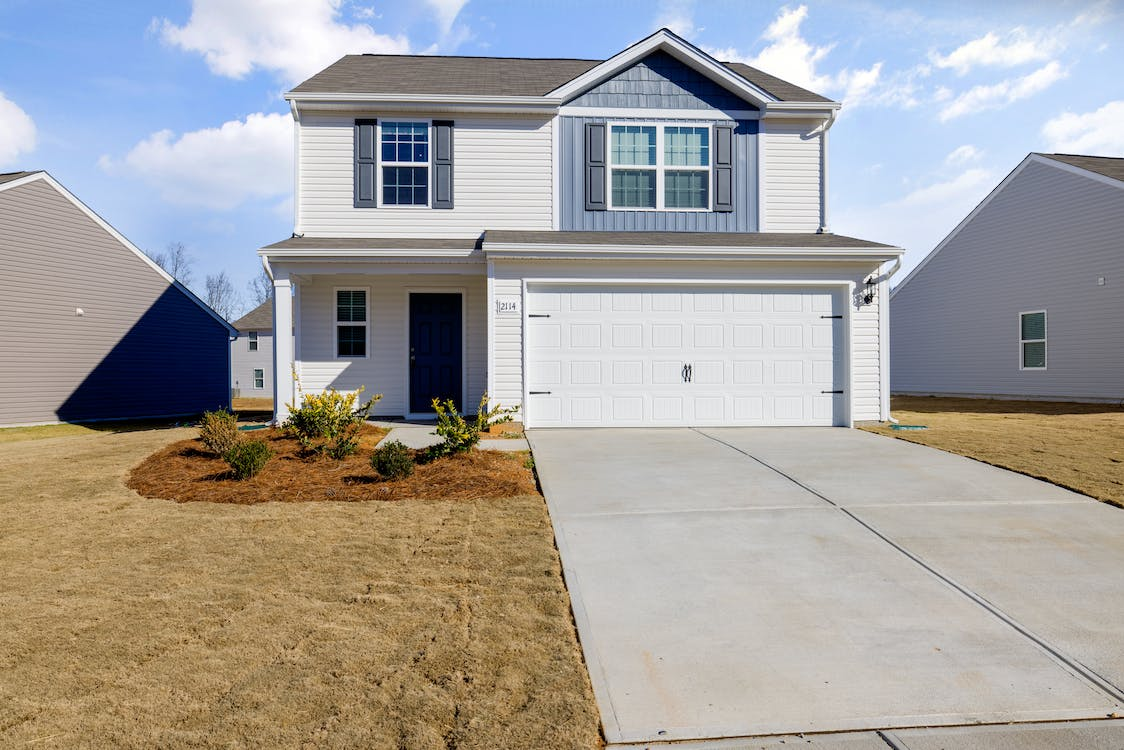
[
  {"x": 840, "y": 317},
  {"x": 831, "y": 391},
  {"x": 540, "y": 393},
  {"x": 537, "y": 315}
]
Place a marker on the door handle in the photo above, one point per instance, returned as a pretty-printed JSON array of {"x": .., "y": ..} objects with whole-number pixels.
[{"x": 686, "y": 373}]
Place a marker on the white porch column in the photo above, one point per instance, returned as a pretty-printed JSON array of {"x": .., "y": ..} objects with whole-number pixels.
[{"x": 283, "y": 392}]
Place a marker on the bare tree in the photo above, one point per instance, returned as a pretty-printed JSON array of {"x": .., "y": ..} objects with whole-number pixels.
[
  {"x": 260, "y": 288},
  {"x": 175, "y": 261},
  {"x": 221, "y": 296}
]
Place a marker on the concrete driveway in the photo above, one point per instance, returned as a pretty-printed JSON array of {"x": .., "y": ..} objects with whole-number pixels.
[{"x": 747, "y": 582}]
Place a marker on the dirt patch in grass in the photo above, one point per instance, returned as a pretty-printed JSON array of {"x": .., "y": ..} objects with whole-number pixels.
[
  {"x": 131, "y": 623},
  {"x": 1077, "y": 446},
  {"x": 185, "y": 472}
]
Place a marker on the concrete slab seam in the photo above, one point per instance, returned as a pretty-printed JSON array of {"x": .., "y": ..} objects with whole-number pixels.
[
  {"x": 1070, "y": 663},
  {"x": 593, "y": 662},
  {"x": 892, "y": 740}
]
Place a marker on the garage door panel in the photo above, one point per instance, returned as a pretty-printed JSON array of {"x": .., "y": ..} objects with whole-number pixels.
[{"x": 678, "y": 356}]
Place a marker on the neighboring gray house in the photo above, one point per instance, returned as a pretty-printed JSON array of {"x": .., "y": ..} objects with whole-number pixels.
[
  {"x": 1025, "y": 299},
  {"x": 90, "y": 327},
  {"x": 251, "y": 354}
]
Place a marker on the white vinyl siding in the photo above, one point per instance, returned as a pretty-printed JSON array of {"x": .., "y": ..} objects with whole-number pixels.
[
  {"x": 507, "y": 376},
  {"x": 792, "y": 176},
  {"x": 501, "y": 175},
  {"x": 385, "y": 371}
]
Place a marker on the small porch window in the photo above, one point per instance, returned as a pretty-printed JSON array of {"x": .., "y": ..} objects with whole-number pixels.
[
  {"x": 351, "y": 323},
  {"x": 1032, "y": 340}
]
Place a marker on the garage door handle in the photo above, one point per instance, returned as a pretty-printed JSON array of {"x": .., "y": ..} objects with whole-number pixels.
[
  {"x": 831, "y": 391},
  {"x": 686, "y": 373}
]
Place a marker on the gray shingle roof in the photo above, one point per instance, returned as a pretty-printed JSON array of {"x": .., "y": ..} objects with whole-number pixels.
[
  {"x": 684, "y": 239},
  {"x": 1109, "y": 166},
  {"x": 486, "y": 76},
  {"x": 258, "y": 319},
  {"x": 372, "y": 243},
  {"x": 10, "y": 176}
]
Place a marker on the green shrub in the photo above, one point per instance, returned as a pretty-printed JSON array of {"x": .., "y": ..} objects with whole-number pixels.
[
  {"x": 329, "y": 422},
  {"x": 248, "y": 457},
  {"x": 458, "y": 434},
  {"x": 393, "y": 461},
  {"x": 219, "y": 431}
]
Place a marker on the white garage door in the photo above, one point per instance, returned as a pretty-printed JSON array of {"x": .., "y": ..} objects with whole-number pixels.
[{"x": 683, "y": 356}]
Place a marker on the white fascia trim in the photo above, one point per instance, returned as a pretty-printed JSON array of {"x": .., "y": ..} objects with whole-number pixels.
[
  {"x": 1030, "y": 159},
  {"x": 327, "y": 254},
  {"x": 779, "y": 110},
  {"x": 120, "y": 238},
  {"x": 707, "y": 115},
  {"x": 678, "y": 48}
]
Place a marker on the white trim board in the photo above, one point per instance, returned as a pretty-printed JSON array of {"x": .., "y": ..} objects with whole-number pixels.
[
  {"x": 1032, "y": 158},
  {"x": 119, "y": 237}
]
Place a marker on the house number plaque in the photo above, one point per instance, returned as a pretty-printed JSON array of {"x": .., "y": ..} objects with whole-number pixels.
[{"x": 507, "y": 305}]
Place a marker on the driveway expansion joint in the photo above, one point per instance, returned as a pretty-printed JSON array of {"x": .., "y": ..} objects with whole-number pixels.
[{"x": 1070, "y": 663}]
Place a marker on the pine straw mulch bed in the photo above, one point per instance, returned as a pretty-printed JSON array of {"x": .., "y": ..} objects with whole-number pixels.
[{"x": 186, "y": 472}]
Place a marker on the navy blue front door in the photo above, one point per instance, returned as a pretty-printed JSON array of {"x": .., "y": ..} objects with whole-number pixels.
[{"x": 435, "y": 350}]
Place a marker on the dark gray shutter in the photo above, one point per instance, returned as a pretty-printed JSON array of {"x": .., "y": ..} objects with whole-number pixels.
[
  {"x": 366, "y": 162},
  {"x": 724, "y": 168},
  {"x": 442, "y": 163},
  {"x": 595, "y": 166}
]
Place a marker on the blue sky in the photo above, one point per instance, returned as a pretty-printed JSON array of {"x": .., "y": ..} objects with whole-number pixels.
[{"x": 167, "y": 117}]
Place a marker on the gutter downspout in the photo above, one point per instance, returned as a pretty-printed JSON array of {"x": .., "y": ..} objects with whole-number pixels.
[
  {"x": 826, "y": 126},
  {"x": 885, "y": 277}
]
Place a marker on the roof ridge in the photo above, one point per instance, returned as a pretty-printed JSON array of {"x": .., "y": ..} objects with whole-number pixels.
[{"x": 476, "y": 57}]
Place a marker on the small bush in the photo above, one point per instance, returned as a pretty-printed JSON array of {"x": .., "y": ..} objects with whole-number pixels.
[
  {"x": 393, "y": 461},
  {"x": 219, "y": 431},
  {"x": 329, "y": 422},
  {"x": 248, "y": 458},
  {"x": 459, "y": 435}
]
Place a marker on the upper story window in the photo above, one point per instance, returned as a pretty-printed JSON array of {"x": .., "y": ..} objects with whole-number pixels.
[
  {"x": 1032, "y": 340},
  {"x": 404, "y": 152},
  {"x": 253, "y": 339},
  {"x": 659, "y": 167}
]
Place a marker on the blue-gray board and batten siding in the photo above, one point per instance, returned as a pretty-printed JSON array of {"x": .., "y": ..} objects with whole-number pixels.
[
  {"x": 659, "y": 82},
  {"x": 574, "y": 217}
]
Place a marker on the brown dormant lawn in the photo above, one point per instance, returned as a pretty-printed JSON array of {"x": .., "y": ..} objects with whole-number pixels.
[
  {"x": 1079, "y": 446},
  {"x": 135, "y": 622}
]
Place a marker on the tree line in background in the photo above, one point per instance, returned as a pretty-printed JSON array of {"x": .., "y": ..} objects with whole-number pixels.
[{"x": 217, "y": 290}]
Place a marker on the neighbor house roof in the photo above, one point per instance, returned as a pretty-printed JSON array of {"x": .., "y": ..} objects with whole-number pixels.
[
  {"x": 487, "y": 76},
  {"x": 9, "y": 176},
  {"x": 814, "y": 241},
  {"x": 1109, "y": 166},
  {"x": 258, "y": 319}
]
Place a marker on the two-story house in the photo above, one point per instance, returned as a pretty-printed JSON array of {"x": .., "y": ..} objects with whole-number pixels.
[{"x": 629, "y": 242}]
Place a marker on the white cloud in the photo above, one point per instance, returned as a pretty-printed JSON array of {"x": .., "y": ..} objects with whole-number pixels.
[
  {"x": 218, "y": 168},
  {"x": 1098, "y": 133},
  {"x": 1006, "y": 92},
  {"x": 941, "y": 192},
  {"x": 446, "y": 12},
  {"x": 963, "y": 155},
  {"x": 17, "y": 131},
  {"x": 790, "y": 56},
  {"x": 294, "y": 38},
  {"x": 679, "y": 16},
  {"x": 1017, "y": 47}
]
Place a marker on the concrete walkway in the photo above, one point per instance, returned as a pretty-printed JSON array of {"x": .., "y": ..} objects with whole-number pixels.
[
  {"x": 747, "y": 582},
  {"x": 419, "y": 435}
]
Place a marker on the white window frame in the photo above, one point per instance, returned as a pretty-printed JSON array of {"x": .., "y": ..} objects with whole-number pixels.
[
  {"x": 252, "y": 341},
  {"x": 366, "y": 323},
  {"x": 379, "y": 163},
  {"x": 1043, "y": 341},
  {"x": 259, "y": 380},
  {"x": 660, "y": 166}
]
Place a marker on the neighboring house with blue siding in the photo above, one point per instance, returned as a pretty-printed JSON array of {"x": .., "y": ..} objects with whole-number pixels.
[
  {"x": 90, "y": 327},
  {"x": 641, "y": 240},
  {"x": 251, "y": 354},
  {"x": 1025, "y": 298}
]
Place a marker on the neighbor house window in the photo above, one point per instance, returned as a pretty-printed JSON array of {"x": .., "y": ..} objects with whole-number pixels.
[
  {"x": 1032, "y": 340},
  {"x": 659, "y": 167},
  {"x": 351, "y": 323},
  {"x": 259, "y": 378},
  {"x": 404, "y": 153},
  {"x": 253, "y": 341}
]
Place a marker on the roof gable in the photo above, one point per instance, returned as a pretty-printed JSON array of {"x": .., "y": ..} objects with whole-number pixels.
[
  {"x": 29, "y": 177},
  {"x": 659, "y": 81},
  {"x": 258, "y": 319},
  {"x": 1106, "y": 166}
]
